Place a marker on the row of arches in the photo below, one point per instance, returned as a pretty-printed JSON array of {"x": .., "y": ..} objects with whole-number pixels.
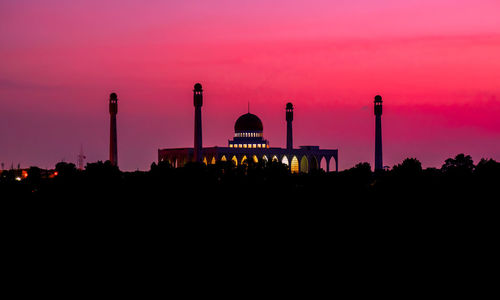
[{"x": 297, "y": 164}]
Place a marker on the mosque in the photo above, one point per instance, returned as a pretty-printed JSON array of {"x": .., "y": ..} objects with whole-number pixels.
[{"x": 247, "y": 144}]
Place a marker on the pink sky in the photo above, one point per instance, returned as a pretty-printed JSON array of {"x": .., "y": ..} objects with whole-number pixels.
[{"x": 435, "y": 63}]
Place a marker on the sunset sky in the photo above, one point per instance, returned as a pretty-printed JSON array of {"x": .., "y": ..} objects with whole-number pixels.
[{"x": 435, "y": 63}]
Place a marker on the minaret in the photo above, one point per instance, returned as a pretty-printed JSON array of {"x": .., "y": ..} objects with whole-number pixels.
[
  {"x": 289, "y": 119},
  {"x": 198, "y": 102},
  {"x": 113, "y": 147},
  {"x": 378, "y": 132}
]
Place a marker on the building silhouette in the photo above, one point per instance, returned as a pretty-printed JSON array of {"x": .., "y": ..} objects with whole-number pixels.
[
  {"x": 378, "y": 132},
  {"x": 113, "y": 147},
  {"x": 248, "y": 144},
  {"x": 198, "y": 103},
  {"x": 289, "y": 119}
]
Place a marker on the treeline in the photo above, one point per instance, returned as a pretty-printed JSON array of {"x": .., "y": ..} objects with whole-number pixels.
[{"x": 458, "y": 178}]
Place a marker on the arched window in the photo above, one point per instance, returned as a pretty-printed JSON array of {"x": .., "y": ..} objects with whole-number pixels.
[
  {"x": 322, "y": 163},
  {"x": 313, "y": 164},
  {"x": 295, "y": 165},
  {"x": 304, "y": 165}
]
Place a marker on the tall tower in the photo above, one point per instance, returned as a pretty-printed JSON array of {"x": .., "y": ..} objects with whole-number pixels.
[
  {"x": 378, "y": 132},
  {"x": 289, "y": 119},
  {"x": 113, "y": 147},
  {"x": 198, "y": 103}
]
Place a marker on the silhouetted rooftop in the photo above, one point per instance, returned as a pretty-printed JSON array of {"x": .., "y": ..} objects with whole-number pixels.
[{"x": 248, "y": 122}]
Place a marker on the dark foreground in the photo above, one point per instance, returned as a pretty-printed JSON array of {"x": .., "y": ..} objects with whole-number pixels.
[
  {"x": 262, "y": 185},
  {"x": 218, "y": 228}
]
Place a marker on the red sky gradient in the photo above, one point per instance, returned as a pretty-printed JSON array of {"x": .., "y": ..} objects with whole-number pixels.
[{"x": 435, "y": 63}]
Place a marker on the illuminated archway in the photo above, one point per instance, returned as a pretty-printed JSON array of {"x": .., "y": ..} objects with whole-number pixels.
[
  {"x": 264, "y": 158},
  {"x": 331, "y": 164},
  {"x": 313, "y": 163},
  {"x": 244, "y": 159},
  {"x": 223, "y": 158},
  {"x": 304, "y": 165},
  {"x": 205, "y": 160},
  {"x": 255, "y": 159},
  {"x": 322, "y": 163},
  {"x": 181, "y": 161},
  {"x": 285, "y": 160},
  {"x": 295, "y": 165},
  {"x": 213, "y": 161},
  {"x": 234, "y": 160},
  {"x": 275, "y": 159}
]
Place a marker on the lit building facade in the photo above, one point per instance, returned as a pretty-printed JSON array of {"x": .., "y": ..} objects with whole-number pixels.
[
  {"x": 248, "y": 133},
  {"x": 248, "y": 144}
]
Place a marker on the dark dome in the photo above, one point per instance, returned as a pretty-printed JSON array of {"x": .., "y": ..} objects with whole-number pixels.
[
  {"x": 113, "y": 96},
  {"x": 248, "y": 122},
  {"x": 197, "y": 87},
  {"x": 289, "y": 105},
  {"x": 378, "y": 98}
]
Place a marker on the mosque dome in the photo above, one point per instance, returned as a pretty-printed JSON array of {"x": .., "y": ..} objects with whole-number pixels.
[{"x": 248, "y": 123}]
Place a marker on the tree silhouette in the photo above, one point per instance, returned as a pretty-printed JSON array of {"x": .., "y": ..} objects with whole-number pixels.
[
  {"x": 487, "y": 173},
  {"x": 102, "y": 172},
  {"x": 461, "y": 165},
  {"x": 361, "y": 170},
  {"x": 65, "y": 169},
  {"x": 458, "y": 178},
  {"x": 487, "y": 168},
  {"x": 410, "y": 167}
]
